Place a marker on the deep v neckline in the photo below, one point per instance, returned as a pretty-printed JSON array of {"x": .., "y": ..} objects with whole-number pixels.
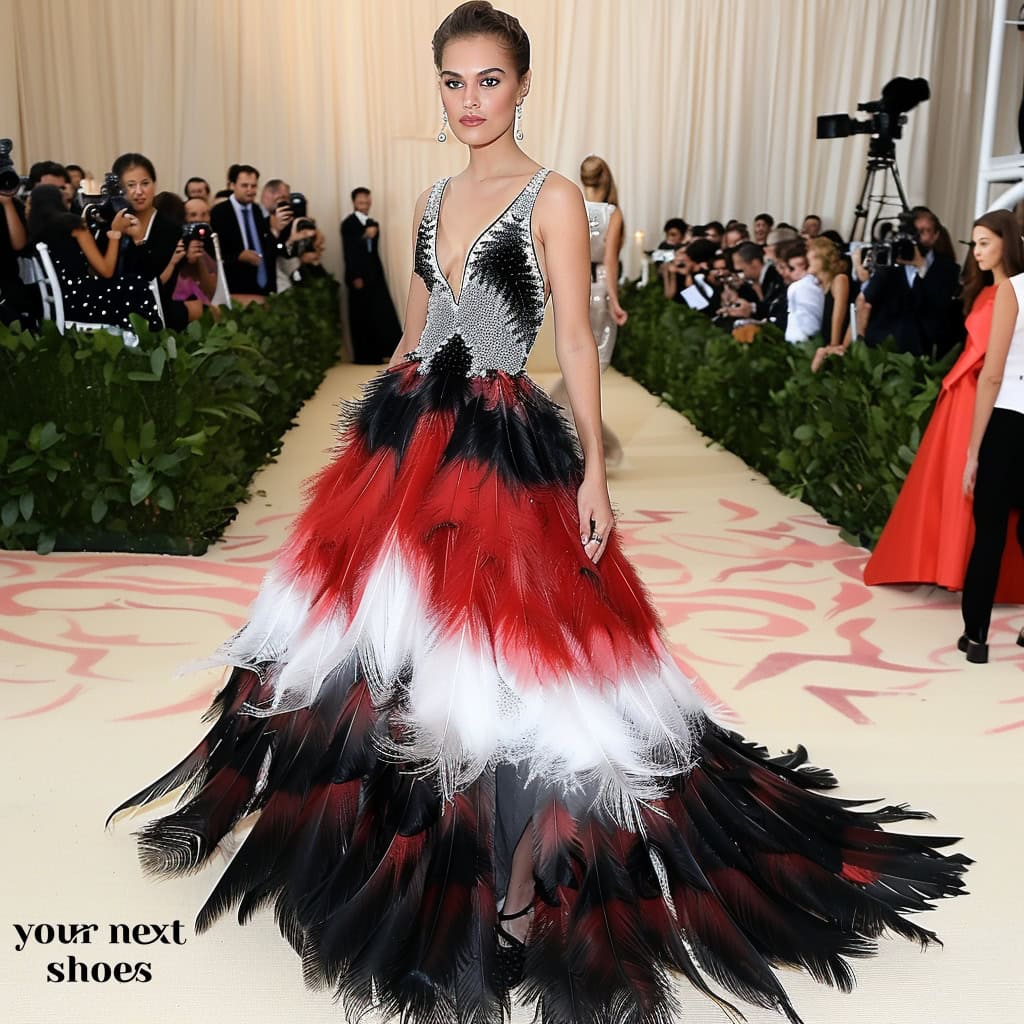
[{"x": 469, "y": 251}]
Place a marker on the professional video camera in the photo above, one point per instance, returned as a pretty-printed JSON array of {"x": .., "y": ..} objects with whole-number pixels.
[
  {"x": 888, "y": 114},
  {"x": 11, "y": 183},
  {"x": 885, "y": 126},
  {"x": 99, "y": 211}
]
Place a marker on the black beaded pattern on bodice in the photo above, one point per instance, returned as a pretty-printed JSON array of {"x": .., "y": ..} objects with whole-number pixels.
[{"x": 501, "y": 301}]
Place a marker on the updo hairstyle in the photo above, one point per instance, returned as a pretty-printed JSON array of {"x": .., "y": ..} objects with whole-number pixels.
[{"x": 480, "y": 18}]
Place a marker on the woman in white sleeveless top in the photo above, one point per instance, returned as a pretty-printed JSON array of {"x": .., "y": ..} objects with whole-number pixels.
[
  {"x": 606, "y": 315},
  {"x": 995, "y": 464}
]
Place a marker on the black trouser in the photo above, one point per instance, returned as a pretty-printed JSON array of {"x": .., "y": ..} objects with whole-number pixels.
[{"x": 999, "y": 488}]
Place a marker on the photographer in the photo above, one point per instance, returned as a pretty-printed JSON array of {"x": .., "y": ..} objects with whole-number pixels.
[
  {"x": 737, "y": 293},
  {"x": 914, "y": 299},
  {"x": 686, "y": 278},
  {"x": 14, "y": 296},
  {"x": 300, "y": 243},
  {"x": 200, "y": 265},
  {"x": 196, "y": 273},
  {"x": 769, "y": 300},
  {"x": 154, "y": 250},
  {"x": 85, "y": 273}
]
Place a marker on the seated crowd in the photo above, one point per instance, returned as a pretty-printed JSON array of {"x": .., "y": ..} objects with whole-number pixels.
[
  {"x": 811, "y": 285},
  {"x": 134, "y": 249}
]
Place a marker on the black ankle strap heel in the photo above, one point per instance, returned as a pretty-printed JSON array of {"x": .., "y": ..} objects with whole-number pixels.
[
  {"x": 513, "y": 917},
  {"x": 511, "y": 952}
]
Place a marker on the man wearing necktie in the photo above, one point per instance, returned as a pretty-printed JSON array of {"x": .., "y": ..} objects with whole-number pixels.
[{"x": 242, "y": 230}]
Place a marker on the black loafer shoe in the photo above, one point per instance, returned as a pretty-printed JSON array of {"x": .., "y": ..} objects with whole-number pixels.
[{"x": 961, "y": 644}]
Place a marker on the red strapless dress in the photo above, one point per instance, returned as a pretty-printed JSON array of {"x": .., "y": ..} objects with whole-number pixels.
[{"x": 930, "y": 531}]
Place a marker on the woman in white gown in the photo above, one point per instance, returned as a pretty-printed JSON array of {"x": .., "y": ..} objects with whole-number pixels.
[{"x": 606, "y": 315}]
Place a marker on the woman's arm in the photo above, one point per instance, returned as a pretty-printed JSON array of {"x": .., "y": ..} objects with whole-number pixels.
[
  {"x": 416, "y": 301},
  {"x": 840, "y": 289},
  {"x": 176, "y": 257},
  {"x": 104, "y": 264},
  {"x": 612, "y": 246},
  {"x": 1004, "y": 319},
  {"x": 561, "y": 219},
  {"x": 206, "y": 272}
]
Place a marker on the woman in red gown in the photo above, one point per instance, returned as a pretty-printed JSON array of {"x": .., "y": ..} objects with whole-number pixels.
[{"x": 930, "y": 531}]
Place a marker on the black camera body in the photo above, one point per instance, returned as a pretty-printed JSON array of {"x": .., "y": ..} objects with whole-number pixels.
[
  {"x": 894, "y": 242},
  {"x": 199, "y": 231},
  {"x": 301, "y": 246},
  {"x": 296, "y": 202},
  {"x": 11, "y": 183},
  {"x": 99, "y": 211}
]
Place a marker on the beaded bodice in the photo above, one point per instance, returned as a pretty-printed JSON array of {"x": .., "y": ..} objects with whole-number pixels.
[{"x": 500, "y": 308}]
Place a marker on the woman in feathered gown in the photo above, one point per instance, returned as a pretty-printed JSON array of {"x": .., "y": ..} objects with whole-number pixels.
[{"x": 477, "y": 769}]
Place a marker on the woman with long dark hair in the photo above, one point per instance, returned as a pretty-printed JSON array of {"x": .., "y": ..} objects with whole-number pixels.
[
  {"x": 89, "y": 292},
  {"x": 606, "y": 315},
  {"x": 930, "y": 530},
  {"x": 472, "y": 762}
]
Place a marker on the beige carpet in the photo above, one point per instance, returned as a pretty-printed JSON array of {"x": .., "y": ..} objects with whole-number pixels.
[{"x": 762, "y": 601}]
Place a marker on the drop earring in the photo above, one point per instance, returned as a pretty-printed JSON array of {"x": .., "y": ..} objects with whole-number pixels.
[
  {"x": 442, "y": 135},
  {"x": 519, "y": 122}
]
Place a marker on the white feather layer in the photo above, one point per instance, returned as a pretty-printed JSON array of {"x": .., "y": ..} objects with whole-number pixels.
[{"x": 463, "y": 707}]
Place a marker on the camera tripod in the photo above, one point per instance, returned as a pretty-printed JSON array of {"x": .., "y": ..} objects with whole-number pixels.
[{"x": 881, "y": 167}]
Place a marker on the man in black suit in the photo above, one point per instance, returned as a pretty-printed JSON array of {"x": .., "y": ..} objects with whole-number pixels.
[
  {"x": 245, "y": 248},
  {"x": 372, "y": 320},
  {"x": 766, "y": 281},
  {"x": 915, "y": 301}
]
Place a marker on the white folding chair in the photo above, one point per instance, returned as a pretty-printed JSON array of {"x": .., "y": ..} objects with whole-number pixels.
[
  {"x": 221, "y": 295},
  {"x": 31, "y": 272},
  {"x": 53, "y": 296},
  {"x": 154, "y": 287}
]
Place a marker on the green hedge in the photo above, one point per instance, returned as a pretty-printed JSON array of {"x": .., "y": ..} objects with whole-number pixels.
[
  {"x": 841, "y": 440},
  {"x": 104, "y": 447}
]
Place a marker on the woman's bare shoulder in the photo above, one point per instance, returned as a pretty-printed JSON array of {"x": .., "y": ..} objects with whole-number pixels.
[
  {"x": 558, "y": 199},
  {"x": 421, "y": 201},
  {"x": 558, "y": 189}
]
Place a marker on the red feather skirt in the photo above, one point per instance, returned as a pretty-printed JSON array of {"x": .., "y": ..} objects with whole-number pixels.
[{"x": 432, "y": 671}]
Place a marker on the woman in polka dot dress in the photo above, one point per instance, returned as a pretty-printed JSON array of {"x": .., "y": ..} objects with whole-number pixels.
[{"x": 91, "y": 292}]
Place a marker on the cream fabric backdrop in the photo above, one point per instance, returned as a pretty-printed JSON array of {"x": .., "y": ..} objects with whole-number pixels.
[{"x": 704, "y": 107}]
